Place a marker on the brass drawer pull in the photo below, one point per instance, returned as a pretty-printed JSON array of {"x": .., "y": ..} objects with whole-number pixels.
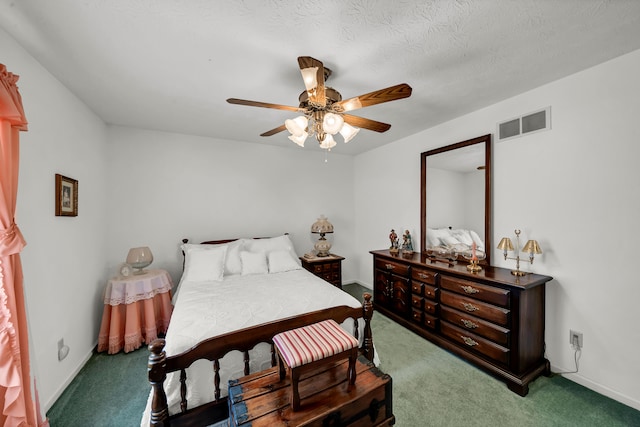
[
  {"x": 389, "y": 267},
  {"x": 468, "y": 341},
  {"x": 469, "y": 289},
  {"x": 428, "y": 292},
  {"x": 468, "y": 324},
  {"x": 469, "y": 307}
]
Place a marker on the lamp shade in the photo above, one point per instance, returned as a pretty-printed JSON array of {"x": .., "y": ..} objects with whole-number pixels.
[
  {"x": 299, "y": 139},
  {"x": 348, "y": 132},
  {"x": 310, "y": 77},
  {"x": 297, "y": 126},
  {"x": 532, "y": 247},
  {"x": 332, "y": 123},
  {"x": 328, "y": 143},
  {"x": 139, "y": 258},
  {"x": 322, "y": 226},
  {"x": 505, "y": 244}
]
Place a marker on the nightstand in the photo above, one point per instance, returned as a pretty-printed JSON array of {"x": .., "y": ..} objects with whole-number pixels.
[
  {"x": 136, "y": 309},
  {"x": 328, "y": 268}
]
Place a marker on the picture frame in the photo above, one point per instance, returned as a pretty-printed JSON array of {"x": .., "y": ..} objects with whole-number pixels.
[{"x": 66, "y": 196}]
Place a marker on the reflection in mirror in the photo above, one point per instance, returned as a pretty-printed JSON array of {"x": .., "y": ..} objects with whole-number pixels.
[{"x": 455, "y": 200}]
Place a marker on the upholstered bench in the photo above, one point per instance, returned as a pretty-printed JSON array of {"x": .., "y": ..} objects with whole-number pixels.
[{"x": 305, "y": 349}]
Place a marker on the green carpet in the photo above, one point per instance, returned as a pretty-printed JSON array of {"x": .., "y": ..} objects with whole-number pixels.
[{"x": 431, "y": 387}]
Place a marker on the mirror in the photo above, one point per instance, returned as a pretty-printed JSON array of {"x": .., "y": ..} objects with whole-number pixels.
[{"x": 455, "y": 199}]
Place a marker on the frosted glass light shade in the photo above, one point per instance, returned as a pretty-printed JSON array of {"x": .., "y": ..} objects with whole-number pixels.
[
  {"x": 328, "y": 142},
  {"x": 139, "y": 258},
  {"x": 297, "y": 126},
  {"x": 310, "y": 77},
  {"x": 348, "y": 132},
  {"x": 332, "y": 123},
  {"x": 299, "y": 139}
]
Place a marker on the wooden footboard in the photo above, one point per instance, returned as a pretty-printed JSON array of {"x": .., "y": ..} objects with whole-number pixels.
[{"x": 214, "y": 349}]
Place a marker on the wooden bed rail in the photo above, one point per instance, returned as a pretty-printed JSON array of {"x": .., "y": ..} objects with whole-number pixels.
[{"x": 244, "y": 340}]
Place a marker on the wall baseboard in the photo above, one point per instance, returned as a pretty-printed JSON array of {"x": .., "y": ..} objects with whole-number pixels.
[
  {"x": 599, "y": 388},
  {"x": 64, "y": 385}
]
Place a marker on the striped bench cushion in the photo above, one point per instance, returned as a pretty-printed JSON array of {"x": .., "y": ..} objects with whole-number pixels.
[{"x": 314, "y": 342}]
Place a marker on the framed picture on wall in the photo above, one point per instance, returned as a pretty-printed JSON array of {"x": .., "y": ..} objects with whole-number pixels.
[{"x": 66, "y": 196}]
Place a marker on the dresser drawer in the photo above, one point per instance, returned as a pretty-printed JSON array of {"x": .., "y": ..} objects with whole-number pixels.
[
  {"x": 477, "y": 308},
  {"x": 430, "y": 321},
  {"x": 424, "y": 276},
  {"x": 416, "y": 302},
  {"x": 478, "y": 326},
  {"x": 476, "y": 343},
  {"x": 497, "y": 296},
  {"x": 416, "y": 315},
  {"x": 430, "y": 307},
  {"x": 430, "y": 291},
  {"x": 393, "y": 267}
]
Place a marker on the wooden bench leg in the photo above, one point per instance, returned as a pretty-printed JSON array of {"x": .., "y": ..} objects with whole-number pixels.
[
  {"x": 295, "y": 394},
  {"x": 281, "y": 368},
  {"x": 351, "y": 372}
]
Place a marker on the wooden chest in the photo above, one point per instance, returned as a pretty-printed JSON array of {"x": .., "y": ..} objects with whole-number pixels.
[{"x": 261, "y": 399}]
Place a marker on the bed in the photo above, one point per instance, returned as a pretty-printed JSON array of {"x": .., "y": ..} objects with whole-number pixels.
[
  {"x": 451, "y": 242},
  {"x": 233, "y": 297}
]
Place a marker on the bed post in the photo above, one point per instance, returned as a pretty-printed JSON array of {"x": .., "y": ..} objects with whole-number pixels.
[
  {"x": 157, "y": 375},
  {"x": 367, "y": 314}
]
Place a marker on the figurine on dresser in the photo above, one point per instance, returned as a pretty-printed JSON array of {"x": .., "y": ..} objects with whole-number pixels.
[
  {"x": 393, "y": 237},
  {"x": 407, "y": 245}
]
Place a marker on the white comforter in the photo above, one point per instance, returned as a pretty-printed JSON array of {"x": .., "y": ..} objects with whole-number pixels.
[{"x": 207, "y": 309}]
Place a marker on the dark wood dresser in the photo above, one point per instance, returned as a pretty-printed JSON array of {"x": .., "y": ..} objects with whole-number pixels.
[
  {"x": 328, "y": 268},
  {"x": 492, "y": 318}
]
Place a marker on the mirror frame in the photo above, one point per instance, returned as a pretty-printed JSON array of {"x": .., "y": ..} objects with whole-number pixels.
[{"x": 486, "y": 140}]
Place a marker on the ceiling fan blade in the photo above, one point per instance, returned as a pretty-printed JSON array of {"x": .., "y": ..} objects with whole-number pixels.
[
  {"x": 263, "y": 104},
  {"x": 274, "y": 131},
  {"x": 313, "y": 75},
  {"x": 361, "y": 122},
  {"x": 392, "y": 93}
]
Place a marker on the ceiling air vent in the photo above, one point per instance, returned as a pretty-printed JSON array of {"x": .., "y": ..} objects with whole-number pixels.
[{"x": 533, "y": 122}]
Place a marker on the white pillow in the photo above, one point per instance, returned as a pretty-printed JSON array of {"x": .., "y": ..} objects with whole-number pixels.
[
  {"x": 232, "y": 264},
  {"x": 253, "y": 263},
  {"x": 462, "y": 236},
  {"x": 432, "y": 238},
  {"x": 204, "y": 265},
  {"x": 279, "y": 243},
  {"x": 280, "y": 261}
]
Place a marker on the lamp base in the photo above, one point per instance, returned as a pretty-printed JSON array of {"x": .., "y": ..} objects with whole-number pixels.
[
  {"x": 519, "y": 273},
  {"x": 474, "y": 267},
  {"x": 322, "y": 247}
]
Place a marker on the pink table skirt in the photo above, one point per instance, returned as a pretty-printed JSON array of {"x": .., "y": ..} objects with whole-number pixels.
[{"x": 129, "y": 325}]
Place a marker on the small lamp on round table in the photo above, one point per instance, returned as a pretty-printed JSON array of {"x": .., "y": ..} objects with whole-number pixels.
[
  {"x": 139, "y": 258},
  {"x": 322, "y": 226}
]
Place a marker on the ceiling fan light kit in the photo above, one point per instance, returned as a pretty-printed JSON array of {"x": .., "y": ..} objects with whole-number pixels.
[{"x": 323, "y": 110}]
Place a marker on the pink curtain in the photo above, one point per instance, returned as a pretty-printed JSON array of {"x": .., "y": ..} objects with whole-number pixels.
[{"x": 18, "y": 396}]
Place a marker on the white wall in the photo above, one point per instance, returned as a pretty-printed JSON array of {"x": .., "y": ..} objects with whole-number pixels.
[
  {"x": 573, "y": 188},
  {"x": 64, "y": 260},
  {"x": 165, "y": 187}
]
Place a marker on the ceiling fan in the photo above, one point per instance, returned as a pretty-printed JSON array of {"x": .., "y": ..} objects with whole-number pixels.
[{"x": 323, "y": 109}]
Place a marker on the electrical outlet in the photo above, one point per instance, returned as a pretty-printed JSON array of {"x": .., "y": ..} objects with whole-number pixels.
[
  {"x": 63, "y": 350},
  {"x": 575, "y": 339}
]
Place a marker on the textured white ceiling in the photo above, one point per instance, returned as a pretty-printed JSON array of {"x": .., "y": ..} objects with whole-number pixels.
[{"x": 170, "y": 65}]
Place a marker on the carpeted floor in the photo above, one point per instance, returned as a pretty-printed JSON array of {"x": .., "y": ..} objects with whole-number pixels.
[{"x": 431, "y": 387}]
